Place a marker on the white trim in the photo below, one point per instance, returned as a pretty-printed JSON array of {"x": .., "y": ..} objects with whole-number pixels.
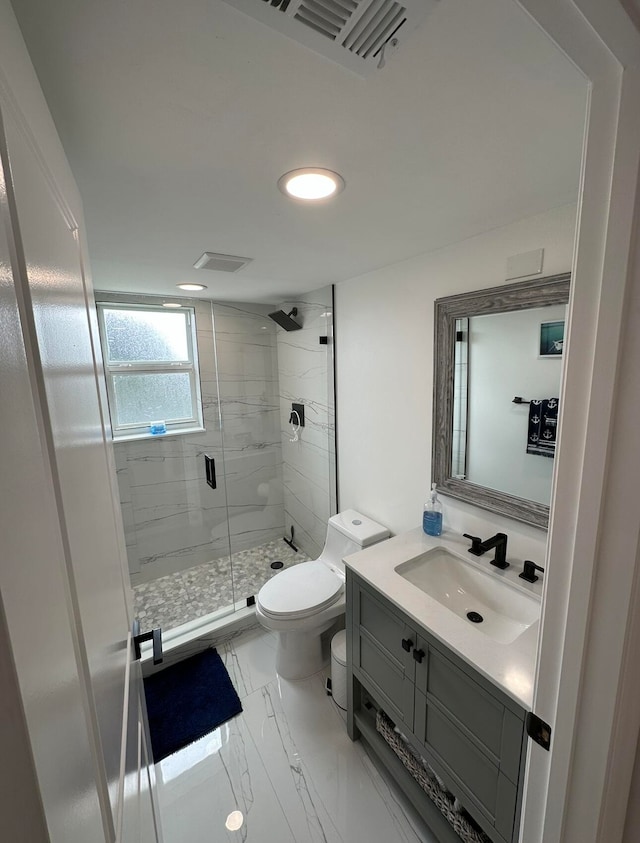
[
  {"x": 10, "y": 105},
  {"x": 26, "y": 319},
  {"x": 119, "y": 822},
  {"x": 609, "y": 717},
  {"x": 222, "y": 622},
  {"x": 136, "y": 437},
  {"x": 566, "y": 791}
]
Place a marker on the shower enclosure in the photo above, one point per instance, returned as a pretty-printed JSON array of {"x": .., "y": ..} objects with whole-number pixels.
[{"x": 205, "y": 512}]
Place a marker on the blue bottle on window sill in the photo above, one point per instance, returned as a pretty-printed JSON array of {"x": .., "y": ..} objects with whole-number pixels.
[
  {"x": 157, "y": 428},
  {"x": 432, "y": 515}
]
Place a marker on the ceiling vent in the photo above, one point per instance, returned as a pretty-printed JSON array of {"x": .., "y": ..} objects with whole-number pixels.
[
  {"x": 350, "y": 32},
  {"x": 221, "y": 263}
]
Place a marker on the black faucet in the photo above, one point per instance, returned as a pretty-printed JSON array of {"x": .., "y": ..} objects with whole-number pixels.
[
  {"x": 529, "y": 571},
  {"x": 499, "y": 541}
]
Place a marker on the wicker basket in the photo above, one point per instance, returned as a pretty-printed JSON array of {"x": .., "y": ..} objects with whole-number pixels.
[{"x": 443, "y": 800}]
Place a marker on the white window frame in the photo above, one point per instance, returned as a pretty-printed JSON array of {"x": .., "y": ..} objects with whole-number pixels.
[{"x": 141, "y": 431}]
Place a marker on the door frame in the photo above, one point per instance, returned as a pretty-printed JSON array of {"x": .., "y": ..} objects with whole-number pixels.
[
  {"x": 49, "y": 645},
  {"x": 584, "y": 685},
  {"x": 593, "y": 596}
]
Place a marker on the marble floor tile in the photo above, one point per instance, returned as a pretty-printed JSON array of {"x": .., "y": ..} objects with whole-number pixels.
[
  {"x": 250, "y": 660},
  {"x": 286, "y": 762},
  {"x": 200, "y": 787},
  {"x": 327, "y": 784}
]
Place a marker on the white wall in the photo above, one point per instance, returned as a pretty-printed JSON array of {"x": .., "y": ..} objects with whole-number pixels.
[
  {"x": 504, "y": 362},
  {"x": 384, "y": 351}
]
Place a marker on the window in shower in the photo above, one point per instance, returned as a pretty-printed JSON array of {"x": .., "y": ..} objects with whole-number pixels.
[{"x": 151, "y": 369}]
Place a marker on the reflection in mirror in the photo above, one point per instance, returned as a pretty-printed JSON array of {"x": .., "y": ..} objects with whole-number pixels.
[
  {"x": 496, "y": 395},
  {"x": 460, "y": 403},
  {"x": 497, "y": 359}
]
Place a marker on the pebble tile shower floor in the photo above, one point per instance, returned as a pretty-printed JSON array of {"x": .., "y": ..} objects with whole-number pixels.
[{"x": 188, "y": 595}]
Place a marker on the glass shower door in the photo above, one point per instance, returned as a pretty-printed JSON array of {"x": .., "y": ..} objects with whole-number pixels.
[
  {"x": 278, "y": 484},
  {"x": 174, "y": 506},
  {"x": 247, "y": 364}
]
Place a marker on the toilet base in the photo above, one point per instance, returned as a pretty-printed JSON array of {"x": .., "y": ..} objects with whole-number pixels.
[{"x": 299, "y": 654}]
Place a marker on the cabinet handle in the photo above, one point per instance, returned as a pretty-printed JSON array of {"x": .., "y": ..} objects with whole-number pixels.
[
  {"x": 407, "y": 644},
  {"x": 418, "y": 655}
]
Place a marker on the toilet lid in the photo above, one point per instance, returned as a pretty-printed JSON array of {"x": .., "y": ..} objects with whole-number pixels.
[{"x": 300, "y": 591}]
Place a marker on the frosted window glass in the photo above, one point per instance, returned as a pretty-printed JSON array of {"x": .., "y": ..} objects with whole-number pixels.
[
  {"x": 135, "y": 336},
  {"x": 162, "y": 396}
]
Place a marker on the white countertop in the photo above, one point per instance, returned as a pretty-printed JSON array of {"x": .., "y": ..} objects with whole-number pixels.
[{"x": 509, "y": 666}]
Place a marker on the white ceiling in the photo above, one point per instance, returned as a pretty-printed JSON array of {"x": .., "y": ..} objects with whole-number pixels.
[{"x": 179, "y": 117}]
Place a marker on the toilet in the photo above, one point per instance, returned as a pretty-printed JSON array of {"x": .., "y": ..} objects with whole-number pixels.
[{"x": 302, "y": 602}]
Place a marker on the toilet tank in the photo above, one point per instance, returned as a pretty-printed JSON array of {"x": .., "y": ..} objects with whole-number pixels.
[{"x": 348, "y": 532}]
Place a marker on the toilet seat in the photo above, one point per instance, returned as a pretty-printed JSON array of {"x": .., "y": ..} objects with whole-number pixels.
[{"x": 300, "y": 591}]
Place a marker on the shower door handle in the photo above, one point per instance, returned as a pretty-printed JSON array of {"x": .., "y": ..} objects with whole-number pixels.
[
  {"x": 154, "y": 635},
  {"x": 210, "y": 470}
]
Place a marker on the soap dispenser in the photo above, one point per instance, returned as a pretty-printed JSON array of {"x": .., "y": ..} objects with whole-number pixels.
[{"x": 432, "y": 514}]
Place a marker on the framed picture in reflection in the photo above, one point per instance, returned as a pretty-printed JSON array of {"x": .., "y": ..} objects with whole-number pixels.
[{"x": 551, "y": 339}]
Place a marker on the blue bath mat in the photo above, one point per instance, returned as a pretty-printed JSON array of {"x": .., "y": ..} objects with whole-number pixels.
[{"x": 188, "y": 700}]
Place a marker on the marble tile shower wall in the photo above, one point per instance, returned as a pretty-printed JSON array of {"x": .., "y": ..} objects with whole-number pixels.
[
  {"x": 306, "y": 376},
  {"x": 173, "y": 519}
]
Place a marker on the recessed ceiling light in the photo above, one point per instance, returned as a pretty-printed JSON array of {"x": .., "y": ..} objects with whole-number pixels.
[
  {"x": 194, "y": 287},
  {"x": 171, "y": 304},
  {"x": 311, "y": 184}
]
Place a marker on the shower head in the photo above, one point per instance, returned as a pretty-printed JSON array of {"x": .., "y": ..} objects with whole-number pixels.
[{"x": 284, "y": 319}]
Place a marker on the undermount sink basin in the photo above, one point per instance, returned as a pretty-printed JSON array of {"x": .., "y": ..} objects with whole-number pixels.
[{"x": 486, "y": 602}]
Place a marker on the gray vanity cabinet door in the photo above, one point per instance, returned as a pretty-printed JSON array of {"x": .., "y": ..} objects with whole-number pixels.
[
  {"x": 473, "y": 735},
  {"x": 490, "y": 795},
  {"x": 473, "y": 705},
  {"x": 467, "y": 704},
  {"x": 379, "y": 657}
]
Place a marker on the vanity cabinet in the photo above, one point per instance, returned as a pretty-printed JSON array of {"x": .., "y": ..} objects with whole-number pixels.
[
  {"x": 383, "y": 650},
  {"x": 470, "y": 732}
]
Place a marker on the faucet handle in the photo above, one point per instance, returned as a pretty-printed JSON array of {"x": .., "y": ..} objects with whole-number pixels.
[
  {"x": 476, "y": 544},
  {"x": 529, "y": 571}
]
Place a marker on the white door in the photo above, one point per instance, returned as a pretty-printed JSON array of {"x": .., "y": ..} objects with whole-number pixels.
[
  {"x": 77, "y": 580},
  {"x": 139, "y": 820}
]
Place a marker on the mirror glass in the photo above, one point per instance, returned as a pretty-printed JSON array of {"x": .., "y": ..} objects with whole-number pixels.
[{"x": 497, "y": 388}]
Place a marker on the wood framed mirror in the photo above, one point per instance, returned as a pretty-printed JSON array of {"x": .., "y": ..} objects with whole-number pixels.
[{"x": 496, "y": 351}]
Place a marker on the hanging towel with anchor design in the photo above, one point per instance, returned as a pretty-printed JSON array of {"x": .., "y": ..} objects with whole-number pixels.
[{"x": 543, "y": 422}]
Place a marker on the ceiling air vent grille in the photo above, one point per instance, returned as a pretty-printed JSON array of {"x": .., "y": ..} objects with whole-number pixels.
[
  {"x": 328, "y": 17},
  {"x": 278, "y": 4},
  {"x": 221, "y": 263},
  {"x": 350, "y": 32},
  {"x": 377, "y": 25}
]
